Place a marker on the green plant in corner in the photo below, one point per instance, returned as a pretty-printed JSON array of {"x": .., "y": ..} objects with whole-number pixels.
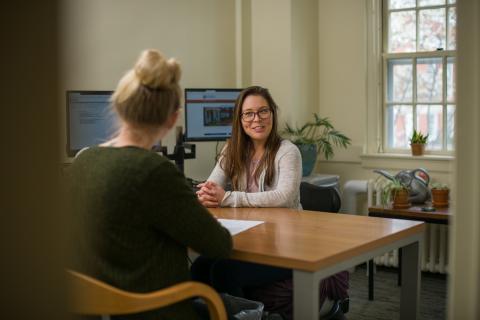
[
  {"x": 320, "y": 133},
  {"x": 418, "y": 137},
  {"x": 318, "y": 136}
]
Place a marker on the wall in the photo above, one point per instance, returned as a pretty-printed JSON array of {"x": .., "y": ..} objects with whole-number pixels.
[
  {"x": 102, "y": 39},
  {"x": 464, "y": 282},
  {"x": 272, "y": 50},
  {"x": 33, "y": 228}
]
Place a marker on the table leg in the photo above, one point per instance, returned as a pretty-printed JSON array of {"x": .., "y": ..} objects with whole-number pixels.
[
  {"x": 370, "y": 279},
  {"x": 305, "y": 295},
  {"x": 410, "y": 291}
]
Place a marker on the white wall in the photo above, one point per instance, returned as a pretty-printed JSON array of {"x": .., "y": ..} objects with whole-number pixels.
[
  {"x": 342, "y": 70},
  {"x": 102, "y": 38},
  {"x": 272, "y": 50},
  {"x": 464, "y": 284}
]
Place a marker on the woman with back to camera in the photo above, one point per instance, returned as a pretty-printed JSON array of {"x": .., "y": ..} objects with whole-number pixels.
[
  {"x": 136, "y": 214},
  {"x": 263, "y": 171}
]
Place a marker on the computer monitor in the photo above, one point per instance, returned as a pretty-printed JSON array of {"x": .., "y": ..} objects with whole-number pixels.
[
  {"x": 209, "y": 113},
  {"x": 89, "y": 119}
]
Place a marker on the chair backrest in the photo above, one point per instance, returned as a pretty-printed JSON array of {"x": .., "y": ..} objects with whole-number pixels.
[
  {"x": 317, "y": 198},
  {"x": 89, "y": 296}
]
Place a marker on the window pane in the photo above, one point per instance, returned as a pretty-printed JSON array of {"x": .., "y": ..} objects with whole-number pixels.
[
  {"x": 431, "y": 29},
  {"x": 401, "y": 37},
  {"x": 451, "y": 1},
  {"x": 430, "y": 121},
  {"x": 401, "y": 4},
  {"x": 429, "y": 80},
  {"x": 451, "y": 76},
  {"x": 423, "y": 3},
  {"x": 450, "y": 127},
  {"x": 400, "y": 80},
  {"x": 452, "y": 29},
  {"x": 400, "y": 126}
]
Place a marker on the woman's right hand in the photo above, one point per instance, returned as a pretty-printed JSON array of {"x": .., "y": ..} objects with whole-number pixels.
[{"x": 210, "y": 194}]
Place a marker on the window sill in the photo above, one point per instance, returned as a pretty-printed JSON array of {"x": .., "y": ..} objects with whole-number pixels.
[{"x": 433, "y": 163}]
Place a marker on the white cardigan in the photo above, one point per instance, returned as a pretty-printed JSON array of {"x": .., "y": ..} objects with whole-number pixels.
[{"x": 284, "y": 190}]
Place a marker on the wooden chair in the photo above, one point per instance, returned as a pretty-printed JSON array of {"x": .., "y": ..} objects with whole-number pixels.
[{"x": 89, "y": 296}]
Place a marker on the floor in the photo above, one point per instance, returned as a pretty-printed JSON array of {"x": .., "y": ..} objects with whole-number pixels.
[{"x": 387, "y": 296}]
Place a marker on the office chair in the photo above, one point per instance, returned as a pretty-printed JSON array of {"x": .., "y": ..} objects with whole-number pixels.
[
  {"x": 317, "y": 198},
  {"x": 89, "y": 296},
  {"x": 324, "y": 199}
]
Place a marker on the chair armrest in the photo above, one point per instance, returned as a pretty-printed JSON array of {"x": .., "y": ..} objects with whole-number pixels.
[{"x": 92, "y": 297}]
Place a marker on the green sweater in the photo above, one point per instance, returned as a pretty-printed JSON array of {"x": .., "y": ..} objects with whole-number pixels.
[{"x": 134, "y": 218}]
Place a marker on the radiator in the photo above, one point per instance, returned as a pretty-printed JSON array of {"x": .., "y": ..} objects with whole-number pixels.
[{"x": 435, "y": 244}]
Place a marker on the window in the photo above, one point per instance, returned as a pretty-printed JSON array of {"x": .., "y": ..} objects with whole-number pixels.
[{"x": 419, "y": 49}]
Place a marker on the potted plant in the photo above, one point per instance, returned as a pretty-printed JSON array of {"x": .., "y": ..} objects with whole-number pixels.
[
  {"x": 395, "y": 192},
  {"x": 440, "y": 195},
  {"x": 417, "y": 143},
  {"x": 318, "y": 136}
]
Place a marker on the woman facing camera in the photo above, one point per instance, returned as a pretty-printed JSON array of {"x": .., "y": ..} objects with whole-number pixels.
[
  {"x": 134, "y": 212},
  {"x": 262, "y": 169}
]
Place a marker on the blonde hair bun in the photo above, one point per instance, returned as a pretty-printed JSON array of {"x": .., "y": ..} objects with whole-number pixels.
[
  {"x": 149, "y": 92},
  {"x": 155, "y": 71}
]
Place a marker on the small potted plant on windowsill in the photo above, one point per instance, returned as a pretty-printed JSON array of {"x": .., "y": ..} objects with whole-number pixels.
[
  {"x": 418, "y": 142},
  {"x": 318, "y": 136},
  {"x": 397, "y": 193},
  {"x": 440, "y": 195}
]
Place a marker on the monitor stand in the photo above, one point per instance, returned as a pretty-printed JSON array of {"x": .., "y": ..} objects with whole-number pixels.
[{"x": 179, "y": 154}]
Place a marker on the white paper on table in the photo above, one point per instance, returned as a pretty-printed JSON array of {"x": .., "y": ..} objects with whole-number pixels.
[{"x": 237, "y": 226}]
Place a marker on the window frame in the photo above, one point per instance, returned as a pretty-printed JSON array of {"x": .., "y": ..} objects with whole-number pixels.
[{"x": 381, "y": 8}]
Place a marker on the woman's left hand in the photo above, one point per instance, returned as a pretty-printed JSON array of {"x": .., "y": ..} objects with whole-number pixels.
[{"x": 210, "y": 194}]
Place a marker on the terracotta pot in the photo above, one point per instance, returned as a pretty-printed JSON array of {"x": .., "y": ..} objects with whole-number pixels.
[
  {"x": 440, "y": 198},
  {"x": 418, "y": 149},
  {"x": 400, "y": 199}
]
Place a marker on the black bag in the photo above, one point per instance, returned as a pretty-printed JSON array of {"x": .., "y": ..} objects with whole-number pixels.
[{"x": 237, "y": 308}]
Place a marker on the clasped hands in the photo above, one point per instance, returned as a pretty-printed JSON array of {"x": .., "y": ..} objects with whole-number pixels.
[{"x": 210, "y": 194}]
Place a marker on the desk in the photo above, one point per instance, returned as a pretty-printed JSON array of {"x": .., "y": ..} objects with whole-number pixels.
[
  {"x": 439, "y": 216},
  {"x": 316, "y": 245}
]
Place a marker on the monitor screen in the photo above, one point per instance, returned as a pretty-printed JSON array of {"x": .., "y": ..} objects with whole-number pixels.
[
  {"x": 209, "y": 113},
  {"x": 89, "y": 119}
]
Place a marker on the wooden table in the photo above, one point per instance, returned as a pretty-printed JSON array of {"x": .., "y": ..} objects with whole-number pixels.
[
  {"x": 439, "y": 216},
  {"x": 316, "y": 245}
]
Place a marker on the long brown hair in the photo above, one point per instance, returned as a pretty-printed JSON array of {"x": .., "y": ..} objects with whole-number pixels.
[{"x": 237, "y": 154}]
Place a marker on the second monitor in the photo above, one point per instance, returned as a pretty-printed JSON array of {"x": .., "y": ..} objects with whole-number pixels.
[{"x": 209, "y": 113}]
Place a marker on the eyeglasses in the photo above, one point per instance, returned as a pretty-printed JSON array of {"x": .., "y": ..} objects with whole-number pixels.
[{"x": 263, "y": 114}]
